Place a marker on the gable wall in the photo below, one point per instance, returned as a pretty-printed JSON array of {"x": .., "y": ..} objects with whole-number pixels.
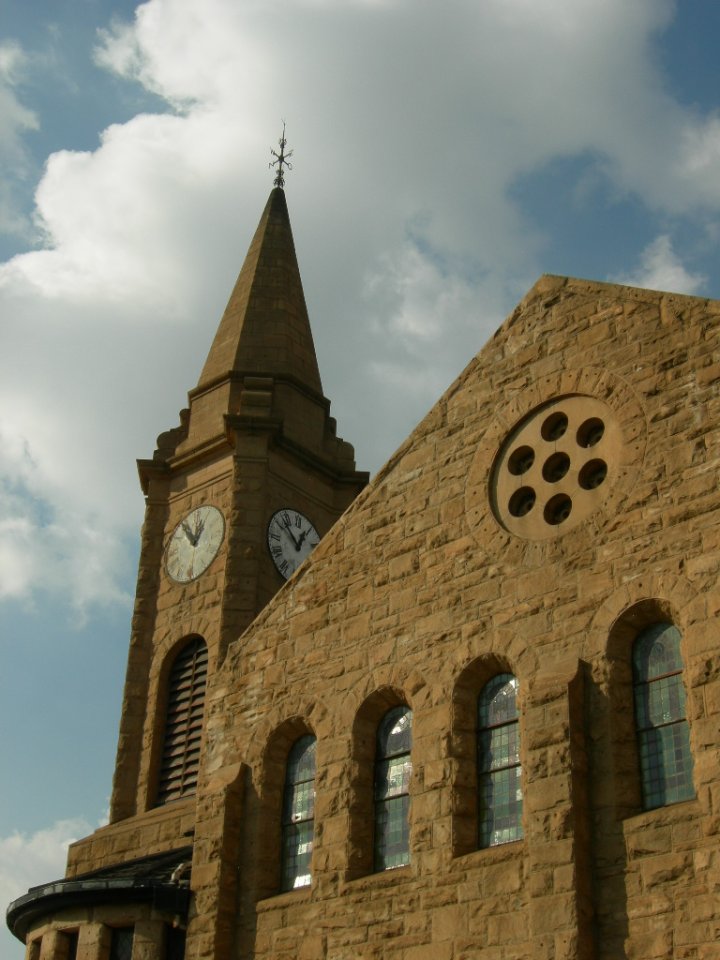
[{"x": 418, "y": 594}]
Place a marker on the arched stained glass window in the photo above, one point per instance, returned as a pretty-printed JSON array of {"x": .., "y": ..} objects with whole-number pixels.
[
  {"x": 392, "y": 781},
  {"x": 298, "y": 814},
  {"x": 662, "y": 729},
  {"x": 499, "y": 775},
  {"x": 184, "y": 723}
]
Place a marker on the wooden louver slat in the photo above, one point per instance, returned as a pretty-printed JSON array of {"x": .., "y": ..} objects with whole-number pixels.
[{"x": 183, "y": 725}]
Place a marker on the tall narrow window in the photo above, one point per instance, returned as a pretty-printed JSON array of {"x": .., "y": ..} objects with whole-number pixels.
[
  {"x": 392, "y": 782},
  {"x": 298, "y": 815},
  {"x": 499, "y": 783},
  {"x": 174, "y": 943},
  {"x": 184, "y": 722},
  {"x": 121, "y": 943},
  {"x": 662, "y": 729},
  {"x": 72, "y": 945}
]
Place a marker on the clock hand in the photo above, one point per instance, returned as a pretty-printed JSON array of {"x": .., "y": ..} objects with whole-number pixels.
[
  {"x": 300, "y": 541},
  {"x": 189, "y": 534},
  {"x": 199, "y": 529},
  {"x": 292, "y": 536}
]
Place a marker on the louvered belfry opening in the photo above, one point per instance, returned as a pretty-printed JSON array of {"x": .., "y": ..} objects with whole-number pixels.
[{"x": 183, "y": 726}]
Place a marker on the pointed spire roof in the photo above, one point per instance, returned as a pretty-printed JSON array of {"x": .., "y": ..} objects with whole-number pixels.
[{"x": 265, "y": 329}]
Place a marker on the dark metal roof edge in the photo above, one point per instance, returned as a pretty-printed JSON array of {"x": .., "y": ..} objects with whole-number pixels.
[{"x": 51, "y": 897}]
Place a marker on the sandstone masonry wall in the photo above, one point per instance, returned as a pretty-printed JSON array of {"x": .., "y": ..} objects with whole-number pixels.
[{"x": 417, "y": 588}]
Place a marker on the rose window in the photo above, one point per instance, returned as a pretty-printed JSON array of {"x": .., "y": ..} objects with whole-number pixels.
[{"x": 556, "y": 467}]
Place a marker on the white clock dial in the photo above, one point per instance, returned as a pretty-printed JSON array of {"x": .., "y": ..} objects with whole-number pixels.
[
  {"x": 290, "y": 538},
  {"x": 194, "y": 543}
]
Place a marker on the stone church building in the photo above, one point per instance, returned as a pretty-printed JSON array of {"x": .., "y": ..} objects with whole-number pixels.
[{"x": 481, "y": 720}]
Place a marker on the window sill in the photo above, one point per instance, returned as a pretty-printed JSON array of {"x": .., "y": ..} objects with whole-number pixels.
[
  {"x": 669, "y": 814},
  {"x": 383, "y": 878},
  {"x": 279, "y": 900},
  {"x": 495, "y": 854}
]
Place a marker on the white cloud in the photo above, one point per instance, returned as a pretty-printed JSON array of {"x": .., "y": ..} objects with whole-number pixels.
[
  {"x": 417, "y": 300},
  {"x": 408, "y": 145},
  {"x": 699, "y": 158},
  {"x": 192, "y": 54},
  {"x": 661, "y": 269},
  {"x": 16, "y": 559},
  {"x": 14, "y": 117},
  {"x": 15, "y": 121},
  {"x": 31, "y": 859},
  {"x": 70, "y": 558},
  {"x": 59, "y": 535},
  {"x": 27, "y": 860}
]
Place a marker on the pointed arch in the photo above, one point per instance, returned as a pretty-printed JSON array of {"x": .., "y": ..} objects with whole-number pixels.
[
  {"x": 648, "y": 734},
  {"x": 393, "y": 768},
  {"x": 284, "y": 818},
  {"x": 298, "y": 815},
  {"x": 485, "y": 747},
  {"x": 380, "y": 778},
  {"x": 182, "y": 737},
  {"x": 500, "y": 795},
  {"x": 663, "y": 735}
]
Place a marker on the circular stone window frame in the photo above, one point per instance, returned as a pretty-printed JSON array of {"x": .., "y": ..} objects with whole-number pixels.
[
  {"x": 570, "y": 474},
  {"x": 595, "y": 384}
]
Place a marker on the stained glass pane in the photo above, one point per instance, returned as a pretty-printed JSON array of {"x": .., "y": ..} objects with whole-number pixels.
[
  {"x": 660, "y": 701},
  {"x": 663, "y": 735},
  {"x": 500, "y": 807},
  {"x": 656, "y": 652},
  {"x": 498, "y": 701},
  {"x": 666, "y": 765},
  {"x": 500, "y": 746},
  {"x": 299, "y": 802},
  {"x": 393, "y": 770},
  {"x": 391, "y": 833},
  {"x": 301, "y": 762},
  {"x": 297, "y": 854},
  {"x": 500, "y": 782},
  {"x": 393, "y": 777},
  {"x": 298, "y": 813},
  {"x": 395, "y": 733}
]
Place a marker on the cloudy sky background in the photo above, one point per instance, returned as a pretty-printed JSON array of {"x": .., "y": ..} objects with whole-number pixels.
[{"x": 445, "y": 155}]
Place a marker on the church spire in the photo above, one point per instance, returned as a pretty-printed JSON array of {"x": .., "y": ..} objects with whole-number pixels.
[{"x": 265, "y": 329}]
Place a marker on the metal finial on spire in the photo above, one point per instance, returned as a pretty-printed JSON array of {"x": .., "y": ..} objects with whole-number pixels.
[{"x": 281, "y": 159}]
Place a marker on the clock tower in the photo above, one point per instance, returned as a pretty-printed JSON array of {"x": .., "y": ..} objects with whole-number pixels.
[{"x": 237, "y": 496}]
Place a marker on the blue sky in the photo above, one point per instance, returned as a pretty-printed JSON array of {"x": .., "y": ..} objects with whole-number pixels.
[{"x": 445, "y": 156}]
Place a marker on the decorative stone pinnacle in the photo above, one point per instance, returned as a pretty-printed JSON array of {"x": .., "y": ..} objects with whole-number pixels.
[{"x": 281, "y": 159}]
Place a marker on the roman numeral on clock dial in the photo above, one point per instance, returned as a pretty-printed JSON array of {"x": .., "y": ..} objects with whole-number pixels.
[{"x": 290, "y": 537}]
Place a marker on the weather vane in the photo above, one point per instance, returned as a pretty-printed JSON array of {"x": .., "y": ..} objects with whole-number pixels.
[{"x": 281, "y": 159}]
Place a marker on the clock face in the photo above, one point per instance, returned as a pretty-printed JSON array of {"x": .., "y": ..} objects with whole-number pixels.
[
  {"x": 290, "y": 537},
  {"x": 194, "y": 543}
]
